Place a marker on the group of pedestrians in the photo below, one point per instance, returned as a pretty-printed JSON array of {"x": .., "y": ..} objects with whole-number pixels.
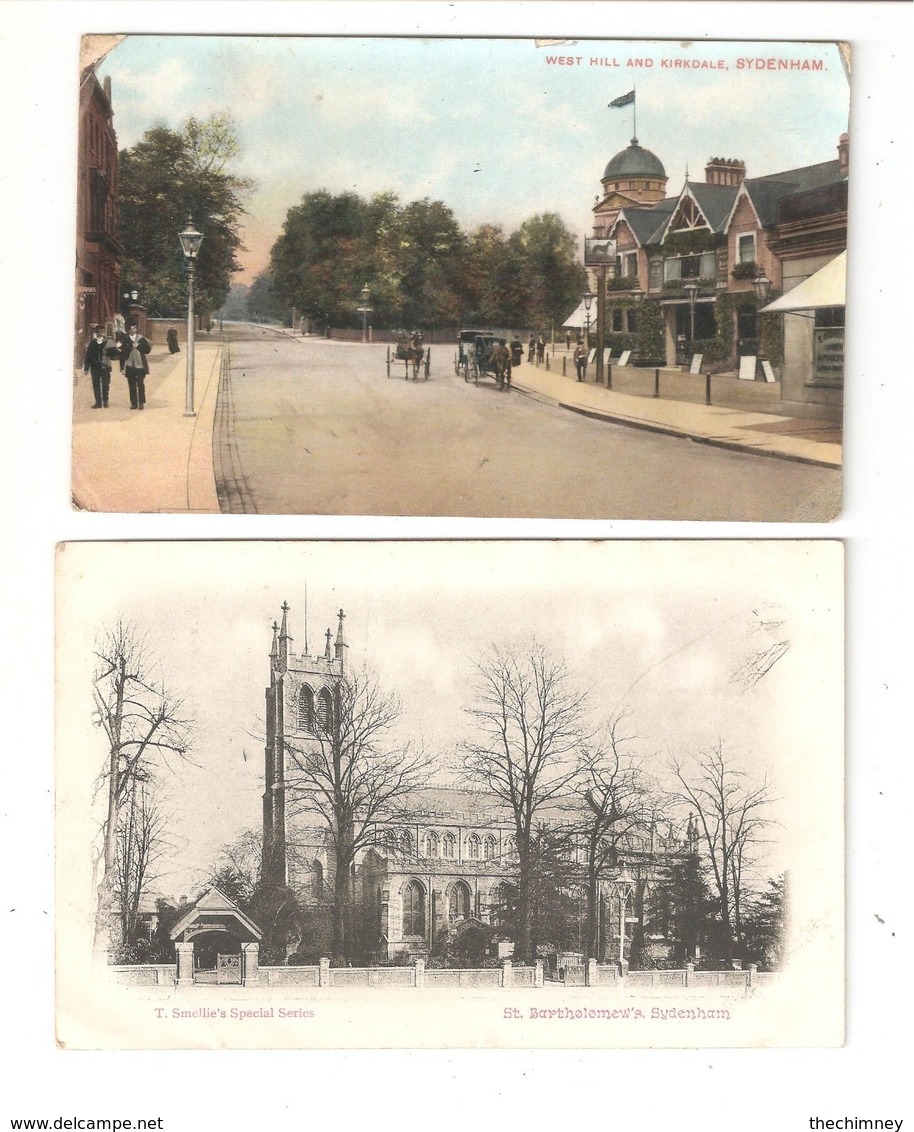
[
  {"x": 130, "y": 350},
  {"x": 536, "y": 349}
]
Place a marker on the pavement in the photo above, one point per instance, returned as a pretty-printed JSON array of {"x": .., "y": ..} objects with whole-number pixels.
[
  {"x": 160, "y": 460},
  {"x": 748, "y": 420},
  {"x": 155, "y": 460}
]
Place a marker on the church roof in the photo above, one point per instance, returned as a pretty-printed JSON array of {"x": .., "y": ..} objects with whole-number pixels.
[{"x": 634, "y": 162}]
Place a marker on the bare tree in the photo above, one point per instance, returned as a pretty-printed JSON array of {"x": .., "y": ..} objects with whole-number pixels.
[
  {"x": 349, "y": 777},
  {"x": 139, "y": 845},
  {"x": 531, "y": 728},
  {"x": 144, "y": 730},
  {"x": 236, "y": 868},
  {"x": 729, "y": 810},
  {"x": 614, "y": 801}
]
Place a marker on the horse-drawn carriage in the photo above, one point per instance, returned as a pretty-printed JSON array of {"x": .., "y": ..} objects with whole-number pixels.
[
  {"x": 414, "y": 356},
  {"x": 480, "y": 352}
]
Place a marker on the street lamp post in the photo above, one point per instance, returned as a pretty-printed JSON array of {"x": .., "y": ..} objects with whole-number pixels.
[
  {"x": 588, "y": 299},
  {"x": 191, "y": 240},
  {"x": 365, "y": 310}
]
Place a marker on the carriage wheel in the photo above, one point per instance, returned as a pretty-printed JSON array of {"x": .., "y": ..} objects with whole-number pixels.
[
  {"x": 466, "y": 369},
  {"x": 428, "y": 363},
  {"x": 457, "y": 364}
]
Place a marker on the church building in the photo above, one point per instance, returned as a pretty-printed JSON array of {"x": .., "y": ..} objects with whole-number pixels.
[{"x": 437, "y": 875}]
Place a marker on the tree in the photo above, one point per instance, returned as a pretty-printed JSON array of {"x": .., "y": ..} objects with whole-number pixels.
[
  {"x": 350, "y": 776},
  {"x": 764, "y": 924},
  {"x": 729, "y": 811},
  {"x": 530, "y": 726},
  {"x": 166, "y": 177},
  {"x": 236, "y": 869},
  {"x": 613, "y": 797},
  {"x": 554, "y": 278},
  {"x": 145, "y": 730},
  {"x": 139, "y": 844}
]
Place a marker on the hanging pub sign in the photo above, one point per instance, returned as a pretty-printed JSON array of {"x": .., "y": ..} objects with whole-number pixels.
[{"x": 599, "y": 251}]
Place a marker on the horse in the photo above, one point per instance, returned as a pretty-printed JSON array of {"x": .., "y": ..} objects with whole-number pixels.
[{"x": 411, "y": 350}]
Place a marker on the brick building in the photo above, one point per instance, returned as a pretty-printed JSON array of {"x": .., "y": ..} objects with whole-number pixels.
[
  {"x": 98, "y": 252},
  {"x": 699, "y": 253}
]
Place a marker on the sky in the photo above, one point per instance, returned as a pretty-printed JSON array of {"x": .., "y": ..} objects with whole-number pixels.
[
  {"x": 491, "y": 127},
  {"x": 657, "y": 630}
]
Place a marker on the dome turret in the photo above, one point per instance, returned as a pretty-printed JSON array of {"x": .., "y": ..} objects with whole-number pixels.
[{"x": 636, "y": 161}]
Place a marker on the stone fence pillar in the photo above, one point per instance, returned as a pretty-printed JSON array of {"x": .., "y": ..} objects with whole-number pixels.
[
  {"x": 591, "y": 973},
  {"x": 753, "y": 971},
  {"x": 689, "y": 972},
  {"x": 185, "y": 955},
  {"x": 323, "y": 973},
  {"x": 420, "y": 973},
  {"x": 538, "y": 978},
  {"x": 251, "y": 964},
  {"x": 507, "y": 977}
]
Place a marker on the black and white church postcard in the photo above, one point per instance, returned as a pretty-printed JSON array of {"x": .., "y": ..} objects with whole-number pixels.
[
  {"x": 450, "y": 794},
  {"x": 461, "y": 276}
]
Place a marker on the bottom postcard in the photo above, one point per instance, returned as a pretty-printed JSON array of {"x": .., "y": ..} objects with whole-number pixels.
[{"x": 450, "y": 794}]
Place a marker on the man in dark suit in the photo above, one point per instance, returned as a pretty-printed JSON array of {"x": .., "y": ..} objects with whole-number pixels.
[
  {"x": 98, "y": 363},
  {"x": 134, "y": 349}
]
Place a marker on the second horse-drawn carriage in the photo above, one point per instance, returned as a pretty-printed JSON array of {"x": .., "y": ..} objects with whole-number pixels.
[
  {"x": 480, "y": 352},
  {"x": 410, "y": 351}
]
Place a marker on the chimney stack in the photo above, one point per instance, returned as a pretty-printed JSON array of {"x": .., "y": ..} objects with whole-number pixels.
[
  {"x": 725, "y": 171},
  {"x": 844, "y": 152}
]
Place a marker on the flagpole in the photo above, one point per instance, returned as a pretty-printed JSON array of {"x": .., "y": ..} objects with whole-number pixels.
[{"x": 635, "y": 110}]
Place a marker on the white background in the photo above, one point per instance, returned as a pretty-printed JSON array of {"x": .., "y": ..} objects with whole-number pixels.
[{"x": 748, "y": 1090}]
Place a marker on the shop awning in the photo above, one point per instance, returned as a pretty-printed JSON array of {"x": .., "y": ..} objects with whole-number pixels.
[
  {"x": 577, "y": 320},
  {"x": 826, "y": 287}
]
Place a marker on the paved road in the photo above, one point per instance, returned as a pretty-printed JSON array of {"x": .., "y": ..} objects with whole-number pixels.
[{"x": 316, "y": 427}]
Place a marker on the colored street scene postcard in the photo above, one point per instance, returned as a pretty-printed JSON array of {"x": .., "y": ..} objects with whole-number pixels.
[
  {"x": 450, "y": 795},
  {"x": 500, "y": 278}
]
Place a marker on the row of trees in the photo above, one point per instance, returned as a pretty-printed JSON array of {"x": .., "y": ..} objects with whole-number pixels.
[
  {"x": 422, "y": 268},
  {"x": 168, "y": 176},
  {"x": 580, "y": 797}
]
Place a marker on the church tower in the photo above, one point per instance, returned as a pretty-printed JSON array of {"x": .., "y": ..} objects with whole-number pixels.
[{"x": 302, "y": 700}]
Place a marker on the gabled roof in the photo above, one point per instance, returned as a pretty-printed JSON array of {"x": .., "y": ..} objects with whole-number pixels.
[
  {"x": 715, "y": 202},
  {"x": 765, "y": 194},
  {"x": 647, "y": 224},
  {"x": 215, "y": 904}
]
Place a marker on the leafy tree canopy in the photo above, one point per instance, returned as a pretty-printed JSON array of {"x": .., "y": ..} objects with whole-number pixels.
[
  {"x": 166, "y": 177},
  {"x": 422, "y": 269}
]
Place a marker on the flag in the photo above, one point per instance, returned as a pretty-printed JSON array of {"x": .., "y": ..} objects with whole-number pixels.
[{"x": 623, "y": 100}]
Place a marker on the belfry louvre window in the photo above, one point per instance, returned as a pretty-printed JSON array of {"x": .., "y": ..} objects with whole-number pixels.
[
  {"x": 324, "y": 711},
  {"x": 305, "y": 709},
  {"x": 414, "y": 909}
]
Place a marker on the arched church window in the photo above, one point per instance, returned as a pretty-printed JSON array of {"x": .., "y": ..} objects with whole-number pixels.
[
  {"x": 473, "y": 847},
  {"x": 414, "y": 909},
  {"x": 511, "y": 846},
  {"x": 431, "y": 844},
  {"x": 489, "y": 847},
  {"x": 406, "y": 842},
  {"x": 324, "y": 711},
  {"x": 305, "y": 708},
  {"x": 459, "y": 901},
  {"x": 449, "y": 846}
]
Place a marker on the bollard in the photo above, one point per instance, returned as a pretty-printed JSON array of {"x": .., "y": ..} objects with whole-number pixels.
[
  {"x": 657, "y": 382},
  {"x": 564, "y": 360},
  {"x": 609, "y": 375},
  {"x": 708, "y": 388}
]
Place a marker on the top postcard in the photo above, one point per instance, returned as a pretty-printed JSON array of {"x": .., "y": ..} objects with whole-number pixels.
[{"x": 503, "y": 278}]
